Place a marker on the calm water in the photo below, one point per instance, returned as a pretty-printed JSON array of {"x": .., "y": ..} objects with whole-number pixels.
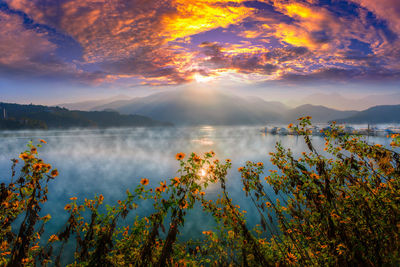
[{"x": 111, "y": 161}]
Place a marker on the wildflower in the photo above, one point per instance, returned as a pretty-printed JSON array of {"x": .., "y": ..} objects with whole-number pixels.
[
  {"x": 268, "y": 204},
  {"x": 240, "y": 169},
  {"x": 53, "y": 238},
  {"x": 144, "y": 181},
  {"x": 176, "y": 181},
  {"x": 54, "y": 173},
  {"x": 202, "y": 193},
  {"x": 73, "y": 198},
  {"x": 228, "y": 160},
  {"x": 180, "y": 156},
  {"x": 163, "y": 185},
  {"x": 260, "y": 164},
  {"x": 101, "y": 198},
  {"x": 308, "y": 117},
  {"x": 42, "y": 141},
  {"x": 25, "y": 156},
  {"x": 67, "y": 207},
  {"x": 291, "y": 258},
  {"x": 290, "y": 125},
  {"x": 37, "y": 167},
  {"x": 196, "y": 158},
  {"x": 33, "y": 150}
]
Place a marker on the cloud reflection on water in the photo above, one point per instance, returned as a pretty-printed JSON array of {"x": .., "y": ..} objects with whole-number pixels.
[{"x": 111, "y": 161}]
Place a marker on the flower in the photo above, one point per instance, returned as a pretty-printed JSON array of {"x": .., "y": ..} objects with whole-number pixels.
[
  {"x": 25, "y": 156},
  {"x": 196, "y": 158},
  {"x": 54, "y": 173},
  {"x": 260, "y": 164},
  {"x": 163, "y": 185},
  {"x": 228, "y": 160},
  {"x": 67, "y": 207},
  {"x": 176, "y": 181},
  {"x": 268, "y": 204},
  {"x": 37, "y": 167},
  {"x": 73, "y": 198},
  {"x": 240, "y": 169},
  {"x": 291, "y": 258},
  {"x": 180, "y": 156},
  {"x": 144, "y": 181},
  {"x": 42, "y": 141},
  {"x": 53, "y": 238},
  {"x": 290, "y": 125},
  {"x": 33, "y": 150}
]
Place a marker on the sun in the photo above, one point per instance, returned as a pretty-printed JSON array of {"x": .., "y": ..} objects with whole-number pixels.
[{"x": 202, "y": 79}]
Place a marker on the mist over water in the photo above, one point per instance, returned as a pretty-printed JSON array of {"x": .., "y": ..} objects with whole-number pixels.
[{"x": 111, "y": 161}]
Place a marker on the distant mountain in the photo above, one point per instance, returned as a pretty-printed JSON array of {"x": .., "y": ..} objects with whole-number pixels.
[
  {"x": 318, "y": 113},
  {"x": 90, "y": 104},
  {"x": 374, "y": 115},
  {"x": 44, "y": 117},
  {"x": 193, "y": 107},
  {"x": 343, "y": 103}
]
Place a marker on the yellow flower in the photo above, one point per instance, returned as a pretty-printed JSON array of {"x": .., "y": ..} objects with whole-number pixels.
[
  {"x": 228, "y": 160},
  {"x": 25, "y": 156},
  {"x": 37, "y": 167},
  {"x": 54, "y": 173},
  {"x": 144, "y": 181},
  {"x": 180, "y": 156},
  {"x": 176, "y": 181},
  {"x": 53, "y": 238}
]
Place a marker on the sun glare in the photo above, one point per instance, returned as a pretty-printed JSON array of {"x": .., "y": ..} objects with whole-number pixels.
[{"x": 202, "y": 79}]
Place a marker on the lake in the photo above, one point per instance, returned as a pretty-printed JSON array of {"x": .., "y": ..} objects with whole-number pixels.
[{"x": 110, "y": 161}]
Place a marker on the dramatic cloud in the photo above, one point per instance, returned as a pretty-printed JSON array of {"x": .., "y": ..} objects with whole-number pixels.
[{"x": 178, "y": 41}]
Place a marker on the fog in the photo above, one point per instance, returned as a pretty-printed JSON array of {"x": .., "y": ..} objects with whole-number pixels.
[{"x": 110, "y": 161}]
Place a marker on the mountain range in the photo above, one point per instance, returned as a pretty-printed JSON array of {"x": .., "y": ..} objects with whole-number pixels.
[
  {"x": 213, "y": 107},
  {"x": 16, "y": 116}
]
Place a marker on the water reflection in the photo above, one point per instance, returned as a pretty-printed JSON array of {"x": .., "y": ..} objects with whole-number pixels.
[{"x": 113, "y": 160}]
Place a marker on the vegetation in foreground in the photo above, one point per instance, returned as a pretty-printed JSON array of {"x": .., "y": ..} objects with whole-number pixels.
[{"x": 341, "y": 209}]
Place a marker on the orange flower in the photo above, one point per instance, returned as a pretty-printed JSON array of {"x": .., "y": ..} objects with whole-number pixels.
[
  {"x": 67, "y": 207},
  {"x": 196, "y": 159},
  {"x": 260, "y": 164},
  {"x": 101, "y": 198},
  {"x": 33, "y": 150},
  {"x": 73, "y": 198},
  {"x": 42, "y": 141},
  {"x": 268, "y": 204},
  {"x": 144, "y": 181},
  {"x": 202, "y": 193},
  {"x": 53, "y": 238},
  {"x": 228, "y": 160},
  {"x": 54, "y": 173},
  {"x": 176, "y": 181},
  {"x": 240, "y": 169},
  {"x": 163, "y": 185},
  {"x": 37, "y": 167},
  {"x": 25, "y": 156},
  {"x": 290, "y": 125},
  {"x": 180, "y": 156},
  {"x": 291, "y": 258}
]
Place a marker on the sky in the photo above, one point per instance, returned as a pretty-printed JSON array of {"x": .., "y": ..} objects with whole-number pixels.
[{"x": 55, "y": 51}]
